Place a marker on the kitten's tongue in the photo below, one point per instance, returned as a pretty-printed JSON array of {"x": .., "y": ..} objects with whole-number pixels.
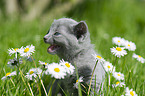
[{"x": 52, "y": 48}]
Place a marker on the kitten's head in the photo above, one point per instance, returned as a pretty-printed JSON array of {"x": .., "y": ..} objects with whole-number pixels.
[{"x": 66, "y": 35}]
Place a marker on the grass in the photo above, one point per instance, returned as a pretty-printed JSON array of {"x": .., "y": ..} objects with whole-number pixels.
[{"x": 105, "y": 19}]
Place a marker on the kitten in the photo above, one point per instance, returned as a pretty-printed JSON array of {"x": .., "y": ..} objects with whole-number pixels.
[{"x": 70, "y": 40}]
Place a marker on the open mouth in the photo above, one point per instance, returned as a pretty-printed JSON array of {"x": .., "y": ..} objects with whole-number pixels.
[{"x": 53, "y": 48}]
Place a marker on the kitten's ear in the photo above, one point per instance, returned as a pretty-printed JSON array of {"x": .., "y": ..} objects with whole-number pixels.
[{"x": 80, "y": 29}]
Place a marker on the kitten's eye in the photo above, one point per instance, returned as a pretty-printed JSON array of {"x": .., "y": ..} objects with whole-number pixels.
[{"x": 57, "y": 34}]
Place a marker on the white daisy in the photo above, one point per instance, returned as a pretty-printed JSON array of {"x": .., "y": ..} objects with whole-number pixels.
[
  {"x": 118, "y": 83},
  {"x": 43, "y": 63},
  {"x": 130, "y": 92},
  {"x": 77, "y": 82},
  {"x": 69, "y": 68},
  {"x": 118, "y": 75},
  {"x": 139, "y": 58},
  {"x": 98, "y": 57},
  {"x": 8, "y": 75},
  {"x": 118, "y": 51},
  {"x": 27, "y": 51},
  {"x": 14, "y": 51},
  {"x": 14, "y": 62},
  {"x": 55, "y": 70},
  {"x": 130, "y": 46},
  {"x": 118, "y": 41},
  {"x": 108, "y": 67},
  {"x": 32, "y": 74}
]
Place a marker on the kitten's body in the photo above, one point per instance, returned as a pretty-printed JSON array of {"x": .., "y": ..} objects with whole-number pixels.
[{"x": 70, "y": 40}]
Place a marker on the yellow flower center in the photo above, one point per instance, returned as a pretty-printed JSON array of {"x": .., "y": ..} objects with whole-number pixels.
[
  {"x": 117, "y": 83},
  {"x": 118, "y": 40},
  {"x": 108, "y": 66},
  {"x": 45, "y": 63},
  {"x": 26, "y": 50},
  {"x": 8, "y": 74},
  {"x": 56, "y": 69},
  {"x": 16, "y": 49},
  {"x": 118, "y": 49},
  {"x": 129, "y": 45},
  {"x": 31, "y": 72},
  {"x": 131, "y": 93},
  {"x": 99, "y": 57},
  {"x": 67, "y": 65},
  {"x": 77, "y": 81},
  {"x": 139, "y": 56},
  {"x": 118, "y": 74}
]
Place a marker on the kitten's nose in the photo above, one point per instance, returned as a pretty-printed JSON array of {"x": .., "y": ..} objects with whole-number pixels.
[
  {"x": 48, "y": 39},
  {"x": 45, "y": 39}
]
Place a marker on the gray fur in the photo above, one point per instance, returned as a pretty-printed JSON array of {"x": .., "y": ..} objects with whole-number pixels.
[{"x": 75, "y": 48}]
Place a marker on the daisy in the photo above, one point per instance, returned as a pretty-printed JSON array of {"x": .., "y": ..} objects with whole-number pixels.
[
  {"x": 118, "y": 41},
  {"x": 130, "y": 92},
  {"x": 139, "y": 58},
  {"x": 33, "y": 73},
  {"x": 69, "y": 68},
  {"x": 109, "y": 67},
  {"x": 118, "y": 83},
  {"x": 8, "y": 75},
  {"x": 14, "y": 51},
  {"x": 55, "y": 70},
  {"x": 31, "y": 76},
  {"x": 130, "y": 46},
  {"x": 98, "y": 57},
  {"x": 77, "y": 82},
  {"x": 27, "y": 51},
  {"x": 118, "y": 76},
  {"x": 14, "y": 62},
  {"x": 43, "y": 63},
  {"x": 118, "y": 51}
]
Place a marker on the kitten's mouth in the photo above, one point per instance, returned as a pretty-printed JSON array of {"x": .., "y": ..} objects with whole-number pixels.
[{"x": 53, "y": 48}]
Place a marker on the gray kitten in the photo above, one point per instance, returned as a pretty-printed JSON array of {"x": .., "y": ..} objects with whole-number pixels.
[{"x": 70, "y": 40}]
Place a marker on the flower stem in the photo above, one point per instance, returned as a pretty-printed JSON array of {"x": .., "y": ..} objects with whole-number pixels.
[
  {"x": 43, "y": 87},
  {"x": 79, "y": 86},
  {"x": 18, "y": 63},
  {"x": 115, "y": 61},
  {"x": 40, "y": 78},
  {"x": 25, "y": 82},
  {"x": 12, "y": 82},
  {"x": 30, "y": 89},
  {"x": 109, "y": 81},
  {"x": 33, "y": 62},
  {"x": 92, "y": 77}
]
